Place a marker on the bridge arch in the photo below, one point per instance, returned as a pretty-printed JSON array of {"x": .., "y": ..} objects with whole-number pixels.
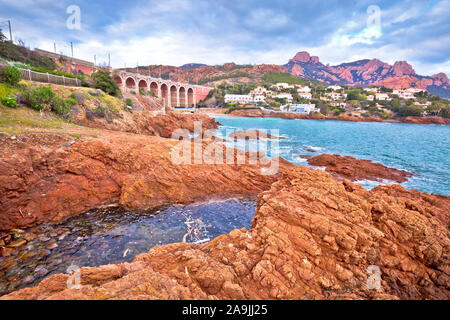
[
  {"x": 173, "y": 96},
  {"x": 154, "y": 88},
  {"x": 142, "y": 84},
  {"x": 182, "y": 95},
  {"x": 118, "y": 80},
  {"x": 190, "y": 97},
  {"x": 130, "y": 83},
  {"x": 165, "y": 93}
]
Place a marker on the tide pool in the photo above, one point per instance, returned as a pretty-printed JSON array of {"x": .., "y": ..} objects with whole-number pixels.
[{"x": 421, "y": 149}]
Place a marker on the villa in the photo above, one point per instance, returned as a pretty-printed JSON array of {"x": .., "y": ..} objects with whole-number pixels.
[
  {"x": 305, "y": 95},
  {"x": 238, "y": 98},
  {"x": 303, "y": 89},
  {"x": 336, "y": 96},
  {"x": 405, "y": 94},
  {"x": 284, "y": 95},
  {"x": 244, "y": 98},
  {"x": 382, "y": 97},
  {"x": 299, "y": 108},
  {"x": 283, "y": 85},
  {"x": 335, "y": 88}
]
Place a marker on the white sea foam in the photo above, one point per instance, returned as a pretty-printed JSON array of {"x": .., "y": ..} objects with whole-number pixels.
[
  {"x": 370, "y": 184},
  {"x": 314, "y": 148}
]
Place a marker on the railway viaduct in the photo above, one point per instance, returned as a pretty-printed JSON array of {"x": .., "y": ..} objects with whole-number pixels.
[{"x": 172, "y": 94}]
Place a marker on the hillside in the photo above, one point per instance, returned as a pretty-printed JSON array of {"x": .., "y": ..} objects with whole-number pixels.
[
  {"x": 210, "y": 75},
  {"x": 364, "y": 72}
]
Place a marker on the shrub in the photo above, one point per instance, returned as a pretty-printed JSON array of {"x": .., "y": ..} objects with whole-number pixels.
[
  {"x": 11, "y": 75},
  {"x": 129, "y": 102},
  {"x": 142, "y": 91},
  {"x": 102, "y": 80},
  {"x": 10, "y": 101},
  {"x": 39, "y": 98},
  {"x": 61, "y": 106}
]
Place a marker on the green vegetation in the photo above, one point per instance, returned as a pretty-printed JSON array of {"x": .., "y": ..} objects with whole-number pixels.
[
  {"x": 10, "y": 101},
  {"x": 353, "y": 94},
  {"x": 11, "y": 75},
  {"x": 39, "y": 98},
  {"x": 6, "y": 90},
  {"x": 102, "y": 80},
  {"x": 275, "y": 77},
  {"x": 62, "y": 106},
  {"x": 129, "y": 102},
  {"x": 225, "y": 76}
]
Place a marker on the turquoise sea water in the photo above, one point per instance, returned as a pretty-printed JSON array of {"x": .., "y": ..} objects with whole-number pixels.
[{"x": 421, "y": 149}]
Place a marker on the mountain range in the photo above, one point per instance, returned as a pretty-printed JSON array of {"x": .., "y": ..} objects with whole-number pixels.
[{"x": 365, "y": 72}]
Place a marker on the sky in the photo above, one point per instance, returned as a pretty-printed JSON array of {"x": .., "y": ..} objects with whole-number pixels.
[{"x": 175, "y": 32}]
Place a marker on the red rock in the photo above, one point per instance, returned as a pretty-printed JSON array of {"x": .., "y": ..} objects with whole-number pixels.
[
  {"x": 135, "y": 171},
  {"x": 312, "y": 237},
  {"x": 355, "y": 169},
  {"x": 301, "y": 57},
  {"x": 401, "y": 68}
]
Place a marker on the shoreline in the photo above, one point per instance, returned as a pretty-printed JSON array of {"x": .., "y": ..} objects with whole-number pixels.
[{"x": 293, "y": 116}]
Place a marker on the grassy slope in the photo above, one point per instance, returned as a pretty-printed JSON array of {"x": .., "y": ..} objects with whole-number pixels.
[{"x": 23, "y": 119}]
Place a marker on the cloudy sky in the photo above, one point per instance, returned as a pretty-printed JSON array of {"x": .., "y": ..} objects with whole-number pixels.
[{"x": 176, "y": 32}]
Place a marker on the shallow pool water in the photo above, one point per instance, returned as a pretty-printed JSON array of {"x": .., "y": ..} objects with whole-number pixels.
[{"x": 115, "y": 235}]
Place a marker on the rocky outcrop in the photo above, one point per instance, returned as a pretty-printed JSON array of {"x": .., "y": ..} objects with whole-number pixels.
[
  {"x": 165, "y": 125},
  {"x": 312, "y": 237},
  {"x": 49, "y": 177},
  {"x": 356, "y": 169},
  {"x": 144, "y": 122}
]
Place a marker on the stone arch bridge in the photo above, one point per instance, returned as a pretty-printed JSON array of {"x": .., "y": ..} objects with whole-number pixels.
[{"x": 172, "y": 94}]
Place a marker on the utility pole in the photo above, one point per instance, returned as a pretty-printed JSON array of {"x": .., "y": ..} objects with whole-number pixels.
[
  {"x": 54, "y": 46},
  {"x": 95, "y": 60},
  {"x": 71, "y": 47},
  {"x": 10, "y": 32},
  {"x": 109, "y": 60}
]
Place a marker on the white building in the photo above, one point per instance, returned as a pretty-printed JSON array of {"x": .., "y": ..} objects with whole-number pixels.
[
  {"x": 336, "y": 95},
  {"x": 299, "y": 108},
  {"x": 405, "y": 94},
  {"x": 244, "y": 98},
  {"x": 370, "y": 97},
  {"x": 303, "y": 89},
  {"x": 335, "y": 88},
  {"x": 382, "y": 97},
  {"x": 284, "y": 95},
  {"x": 238, "y": 98},
  {"x": 305, "y": 95},
  {"x": 258, "y": 98},
  {"x": 283, "y": 85}
]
